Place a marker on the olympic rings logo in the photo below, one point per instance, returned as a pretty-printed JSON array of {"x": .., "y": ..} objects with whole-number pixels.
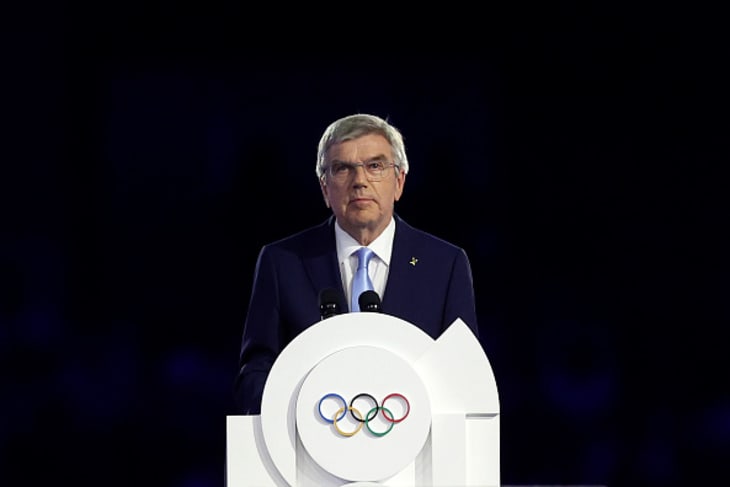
[{"x": 357, "y": 415}]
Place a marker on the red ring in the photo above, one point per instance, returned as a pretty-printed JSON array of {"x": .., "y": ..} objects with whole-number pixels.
[{"x": 391, "y": 419}]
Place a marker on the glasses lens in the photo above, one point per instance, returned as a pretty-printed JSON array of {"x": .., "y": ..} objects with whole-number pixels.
[
  {"x": 375, "y": 169},
  {"x": 339, "y": 170}
]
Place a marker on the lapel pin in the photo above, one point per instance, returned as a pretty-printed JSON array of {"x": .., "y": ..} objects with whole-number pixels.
[{"x": 413, "y": 261}]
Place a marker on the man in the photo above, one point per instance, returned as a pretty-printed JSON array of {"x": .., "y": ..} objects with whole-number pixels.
[{"x": 362, "y": 168}]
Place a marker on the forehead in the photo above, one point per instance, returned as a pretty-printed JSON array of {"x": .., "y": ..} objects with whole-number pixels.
[{"x": 363, "y": 148}]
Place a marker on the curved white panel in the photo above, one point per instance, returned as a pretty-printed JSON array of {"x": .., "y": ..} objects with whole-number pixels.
[
  {"x": 458, "y": 374},
  {"x": 278, "y": 406}
]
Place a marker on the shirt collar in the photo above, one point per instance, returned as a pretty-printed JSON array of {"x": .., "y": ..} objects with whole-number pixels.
[{"x": 382, "y": 246}]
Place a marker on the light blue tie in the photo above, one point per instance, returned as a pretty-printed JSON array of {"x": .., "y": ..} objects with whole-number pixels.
[{"x": 361, "y": 282}]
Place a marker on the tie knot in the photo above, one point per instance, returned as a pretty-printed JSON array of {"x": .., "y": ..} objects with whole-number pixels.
[{"x": 364, "y": 254}]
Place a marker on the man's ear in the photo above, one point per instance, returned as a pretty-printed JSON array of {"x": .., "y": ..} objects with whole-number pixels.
[
  {"x": 400, "y": 183},
  {"x": 323, "y": 187}
]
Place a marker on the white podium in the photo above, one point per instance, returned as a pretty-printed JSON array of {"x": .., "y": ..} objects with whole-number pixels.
[{"x": 368, "y": 399}]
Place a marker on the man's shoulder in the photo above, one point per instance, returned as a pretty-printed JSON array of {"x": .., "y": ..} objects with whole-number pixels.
[
  {"x": 315, "y": 234},
  {"x": 415, "y": 235}
]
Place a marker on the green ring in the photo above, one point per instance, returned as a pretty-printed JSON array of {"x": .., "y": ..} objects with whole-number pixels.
[{"x": 367, "y": 420}]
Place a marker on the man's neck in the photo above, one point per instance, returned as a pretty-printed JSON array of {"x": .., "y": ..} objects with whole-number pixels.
[{"x": 365, "y": 235}]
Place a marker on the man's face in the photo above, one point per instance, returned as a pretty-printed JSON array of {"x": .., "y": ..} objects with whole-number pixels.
[{"x": 359, "y": 203}]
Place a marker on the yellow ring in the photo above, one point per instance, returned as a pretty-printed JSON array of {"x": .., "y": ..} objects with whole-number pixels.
[{"x": 342, "y": 410}]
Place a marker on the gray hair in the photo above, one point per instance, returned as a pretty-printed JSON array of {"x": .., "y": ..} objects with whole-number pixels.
[{"x": 354, "y": 126}]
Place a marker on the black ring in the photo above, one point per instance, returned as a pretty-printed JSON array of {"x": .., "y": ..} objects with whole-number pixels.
[{"x": 367, "y": 417}]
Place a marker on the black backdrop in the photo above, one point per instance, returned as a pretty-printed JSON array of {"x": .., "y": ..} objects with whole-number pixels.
[{"x": 575, "y": 155}]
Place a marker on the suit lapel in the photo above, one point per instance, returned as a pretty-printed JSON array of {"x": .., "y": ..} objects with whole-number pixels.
[
  {"x": 320, "y": 260},
  {"x": 400, "y": 276}
]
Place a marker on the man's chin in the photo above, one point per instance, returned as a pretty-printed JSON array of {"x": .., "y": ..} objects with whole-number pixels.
[{"x": 361, "y": 220}]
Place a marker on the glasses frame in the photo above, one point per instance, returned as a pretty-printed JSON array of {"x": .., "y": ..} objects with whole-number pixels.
[{"x": 352, "y": 169}]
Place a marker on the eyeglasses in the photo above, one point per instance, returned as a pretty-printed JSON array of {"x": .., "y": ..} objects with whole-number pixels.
[{"x": 374, "y": 170}]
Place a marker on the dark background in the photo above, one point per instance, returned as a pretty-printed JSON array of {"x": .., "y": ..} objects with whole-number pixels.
[{"x": 576, "y": 153}]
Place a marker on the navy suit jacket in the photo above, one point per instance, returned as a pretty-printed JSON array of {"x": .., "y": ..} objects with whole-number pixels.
[{"x": 291, "y": 272}]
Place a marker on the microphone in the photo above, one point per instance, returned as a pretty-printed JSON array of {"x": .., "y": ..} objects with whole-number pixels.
[
  {"x": 330, "y": 300},
  {"x": 369, "y": 301}
]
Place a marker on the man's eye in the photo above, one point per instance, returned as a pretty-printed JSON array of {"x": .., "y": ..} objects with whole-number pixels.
[
  {"x": 339, "y": 168},
  {"x": 375, "y": 166}
]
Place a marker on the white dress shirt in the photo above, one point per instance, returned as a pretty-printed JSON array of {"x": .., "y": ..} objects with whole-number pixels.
[{"x": 382, "y": 247}]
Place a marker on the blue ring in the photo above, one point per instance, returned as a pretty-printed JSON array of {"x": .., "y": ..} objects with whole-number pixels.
[{"x": 344, "y": 405}]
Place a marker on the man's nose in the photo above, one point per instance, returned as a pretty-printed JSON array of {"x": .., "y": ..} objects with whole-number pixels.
[{"x": 361, "y": 175}]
